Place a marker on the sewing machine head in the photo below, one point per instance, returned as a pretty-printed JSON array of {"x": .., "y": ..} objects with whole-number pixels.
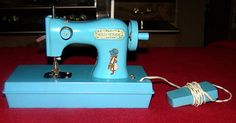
[{"x": 111, "y": 37}]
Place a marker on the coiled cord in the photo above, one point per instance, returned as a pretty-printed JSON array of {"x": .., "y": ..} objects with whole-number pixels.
[{"x": 199, "y": 95}]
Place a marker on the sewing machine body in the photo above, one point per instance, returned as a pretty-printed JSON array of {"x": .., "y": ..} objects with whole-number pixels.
[
  {"x": 111, "y": 37},
  {"x": 107, "y": 84}
]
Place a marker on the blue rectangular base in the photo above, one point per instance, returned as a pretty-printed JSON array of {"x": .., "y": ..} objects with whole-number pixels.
[{"x": 27, "y": 88}]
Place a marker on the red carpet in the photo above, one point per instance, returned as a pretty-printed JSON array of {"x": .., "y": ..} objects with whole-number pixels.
[{"x": 215, "y": 64}]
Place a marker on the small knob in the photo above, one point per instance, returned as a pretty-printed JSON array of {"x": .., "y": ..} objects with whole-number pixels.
[{"x": 143, "y": 36}]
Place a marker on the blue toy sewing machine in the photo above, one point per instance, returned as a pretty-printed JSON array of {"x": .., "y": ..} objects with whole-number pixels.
[{"x": 110, "y": 83}]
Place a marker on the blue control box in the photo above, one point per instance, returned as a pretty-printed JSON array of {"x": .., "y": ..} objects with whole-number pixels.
[
  {"x": 27, "y": 88},
  {"x": 183, "y": 96}
]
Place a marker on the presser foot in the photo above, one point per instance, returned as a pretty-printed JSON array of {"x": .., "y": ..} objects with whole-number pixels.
[
  {"x": 61, "y": 75},
  {"x": 55, "y": 72}
]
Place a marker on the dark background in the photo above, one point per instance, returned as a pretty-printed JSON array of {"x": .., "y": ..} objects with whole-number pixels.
[{"x": 171, "y": 23}]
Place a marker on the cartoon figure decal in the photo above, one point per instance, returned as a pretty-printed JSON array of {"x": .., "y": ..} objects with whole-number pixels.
[{"x": 112, "y": 66}]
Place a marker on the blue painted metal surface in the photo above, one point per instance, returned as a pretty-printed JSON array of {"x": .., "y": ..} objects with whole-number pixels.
[
  {"x": 183, "y": 96},
  {"x": 27, "y": 88},
  {"x": 105, "y": 34}
]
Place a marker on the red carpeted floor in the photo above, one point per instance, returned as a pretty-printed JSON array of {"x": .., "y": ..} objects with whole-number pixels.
[{"x": 215, "y": 63}]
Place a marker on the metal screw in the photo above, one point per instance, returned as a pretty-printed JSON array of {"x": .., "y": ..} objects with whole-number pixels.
[{"x": 132, "y": 76}]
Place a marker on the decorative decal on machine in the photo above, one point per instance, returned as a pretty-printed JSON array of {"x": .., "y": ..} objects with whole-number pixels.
[
  {"x": 113, "y": 34},
  {"x": 112, "y": 66}
]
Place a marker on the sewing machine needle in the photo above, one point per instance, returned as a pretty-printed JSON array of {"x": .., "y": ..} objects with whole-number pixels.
[{"x": 55, "y": 69}]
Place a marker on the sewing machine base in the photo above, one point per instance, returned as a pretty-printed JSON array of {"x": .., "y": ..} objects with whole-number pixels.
[{"x": 27, "y": 88}]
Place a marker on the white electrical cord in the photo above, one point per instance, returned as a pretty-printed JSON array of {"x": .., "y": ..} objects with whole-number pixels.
[
  {"x": 161, "y": 78},
  {"x": 199, "y": 95}
]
